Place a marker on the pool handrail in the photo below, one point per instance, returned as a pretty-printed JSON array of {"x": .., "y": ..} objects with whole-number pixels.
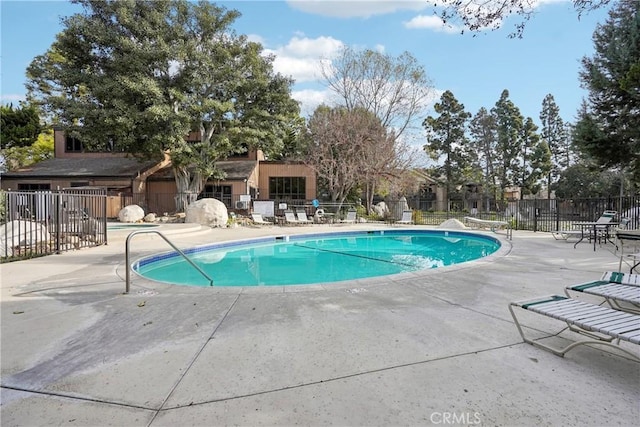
[{"x": 128, "y": 265}]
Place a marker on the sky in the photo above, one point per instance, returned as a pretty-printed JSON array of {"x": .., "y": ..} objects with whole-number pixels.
[{"x": 475, "y": 68}]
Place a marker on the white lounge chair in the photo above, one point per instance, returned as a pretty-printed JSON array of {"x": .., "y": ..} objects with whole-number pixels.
[
  {"x": 258, "y": 220},
  {"x": 351, "y": 217},
  {"x": 602, "y": 324},
  {"x": 290, "y": 218},
  {"x": 407, "y": 218},
  {"x": 490, "y": 224},
  {"x": 613, "y": 293},
  {"x": 632, "y": 279},
  {"x": 302, "y": 218}
]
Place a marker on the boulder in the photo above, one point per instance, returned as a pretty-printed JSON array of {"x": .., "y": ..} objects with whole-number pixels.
[
  {"x": 452, "y": 224},
  {"x": 209, "y": 212},
  {"x": 150, "y": 217},
  {"x": 381, "y": 209},
  {"x": 20, "y": 233},
  {"x": 131, "y": 213}
]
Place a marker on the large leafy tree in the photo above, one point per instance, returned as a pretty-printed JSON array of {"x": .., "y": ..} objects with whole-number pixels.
[
  {"x": 608, "y": 128},
  {"x": 141, "y": 75},
  {"x": 19, "y": 157},
  {"x": 19, "y": 127},
  {"x": 446, "y": 137},
  {"x": 23, "y": 139},
  {"x": 509, "y": 123}
]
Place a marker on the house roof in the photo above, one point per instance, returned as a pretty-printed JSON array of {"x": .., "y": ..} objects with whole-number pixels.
[
  {"x": 235, "y": 170},
  {"x": 121, "y": 167}
]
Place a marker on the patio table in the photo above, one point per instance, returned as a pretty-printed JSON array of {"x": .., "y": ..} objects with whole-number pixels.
[{"x": 593, "y": 226}]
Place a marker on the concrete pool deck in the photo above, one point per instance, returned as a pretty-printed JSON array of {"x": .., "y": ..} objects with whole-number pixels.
[{"x": 437, "y": 347}]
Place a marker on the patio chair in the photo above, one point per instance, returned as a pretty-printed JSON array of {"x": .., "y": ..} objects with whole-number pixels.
[
  {"x": 605, "y": 218},
  {"x": 613, "y": 293},
  {"x": 258, "y": 220},
  {"x": 407, "y": 218},
  {"x": 351, "y": 217},
  {"x": 302, "y": 218},
  {"x": 602, "y": 325},
  {"x": 290, "y": 218}
]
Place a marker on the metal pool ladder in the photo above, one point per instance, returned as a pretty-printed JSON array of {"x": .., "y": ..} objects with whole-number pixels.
[{"x": 128, "y": 265}]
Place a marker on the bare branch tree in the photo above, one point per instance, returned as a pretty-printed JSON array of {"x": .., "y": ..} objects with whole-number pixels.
[
  {"x": 395, "y": 89},
  {"x": 479, "y": 15}
]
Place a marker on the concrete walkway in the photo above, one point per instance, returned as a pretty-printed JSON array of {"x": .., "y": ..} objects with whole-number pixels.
[{"x": 437, "y": 347}]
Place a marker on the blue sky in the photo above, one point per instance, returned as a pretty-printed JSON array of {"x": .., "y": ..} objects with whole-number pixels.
[{"x": 476, "y": 69}]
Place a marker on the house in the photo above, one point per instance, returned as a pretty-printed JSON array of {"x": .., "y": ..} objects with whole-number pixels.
[{"x": 151, "y": 184}]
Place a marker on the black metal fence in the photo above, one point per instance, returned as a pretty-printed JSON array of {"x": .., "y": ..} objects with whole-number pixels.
[
  {"x": 545, "y": 214},
  {"x": 45, "y": 222}
]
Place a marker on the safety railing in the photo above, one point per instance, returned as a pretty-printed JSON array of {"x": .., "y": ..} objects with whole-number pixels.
[{"x": 182, "y": 254}]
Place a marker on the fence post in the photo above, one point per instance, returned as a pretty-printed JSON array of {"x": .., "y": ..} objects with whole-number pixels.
[{"x": 58, "y": 221}]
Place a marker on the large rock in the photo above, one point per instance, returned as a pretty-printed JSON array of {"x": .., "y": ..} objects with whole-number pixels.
[
  {"x": 131, "y": 213},
  {"x": 16, "y": 235},
  {"x": 381, "y": 209},
  {"x": 210, "y": 212},
  {"x": 452, "y": 224}
]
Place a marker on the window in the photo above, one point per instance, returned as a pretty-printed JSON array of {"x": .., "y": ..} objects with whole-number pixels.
[
  {"x": 80, "y": 184},
  {"x": 34, "y": 187},
  {"x": 281, "y": 187},
  {"x": 73, "y": 145},
  {"x": 220, "y": 192}
]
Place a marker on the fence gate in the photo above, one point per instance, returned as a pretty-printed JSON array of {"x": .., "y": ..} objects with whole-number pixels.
[{"x": 44, "y": 222}]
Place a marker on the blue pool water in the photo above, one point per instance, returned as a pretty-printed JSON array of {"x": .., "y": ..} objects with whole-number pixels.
[{"x": 319, "y": 258}]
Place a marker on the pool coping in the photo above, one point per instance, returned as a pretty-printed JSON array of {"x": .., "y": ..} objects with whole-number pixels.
[{"x": 505, "y": 246}]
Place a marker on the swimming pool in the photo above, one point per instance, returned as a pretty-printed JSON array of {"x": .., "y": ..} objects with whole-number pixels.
[{"x": 317, "y": 258}]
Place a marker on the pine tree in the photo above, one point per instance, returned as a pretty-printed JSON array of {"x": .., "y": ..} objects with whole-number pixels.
[
  {"x": 446, "y": 136},
  {"x": 609, "y": 127}
]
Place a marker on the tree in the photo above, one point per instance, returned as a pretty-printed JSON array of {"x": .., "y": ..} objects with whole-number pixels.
[
  {"x": 19, "y": 127},
  {"x": 583, "y": 180},
  {"x": 394, "y": 89},
  {"x": 23, "y": 139},
  {"x": 446, "y": 136},
  {"x": 609, "y": 123},
  {"x": 536, "y": 158},
  {"x": 141, "y": 76},
  {"x": 18, "y": 157},
  {"x": 342, "y": 142},
  {"x": 479, "y": 15},
  {"x": 554, "y": 132},
  {"x": 508, "y": 125},
  {"x": 484, "y": 140}
]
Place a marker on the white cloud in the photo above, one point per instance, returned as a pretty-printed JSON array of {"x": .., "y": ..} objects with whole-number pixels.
[
  {"x": 11, "y": 97},
  {"x": 301, "y": 56},
  {"x": 431, "y": 22},
  {"x": 380, "y": 48},
  {"x": 355, "y": 8},
  {"x": 256, "y": 38},
  {"x": 310, "y": 99}
]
